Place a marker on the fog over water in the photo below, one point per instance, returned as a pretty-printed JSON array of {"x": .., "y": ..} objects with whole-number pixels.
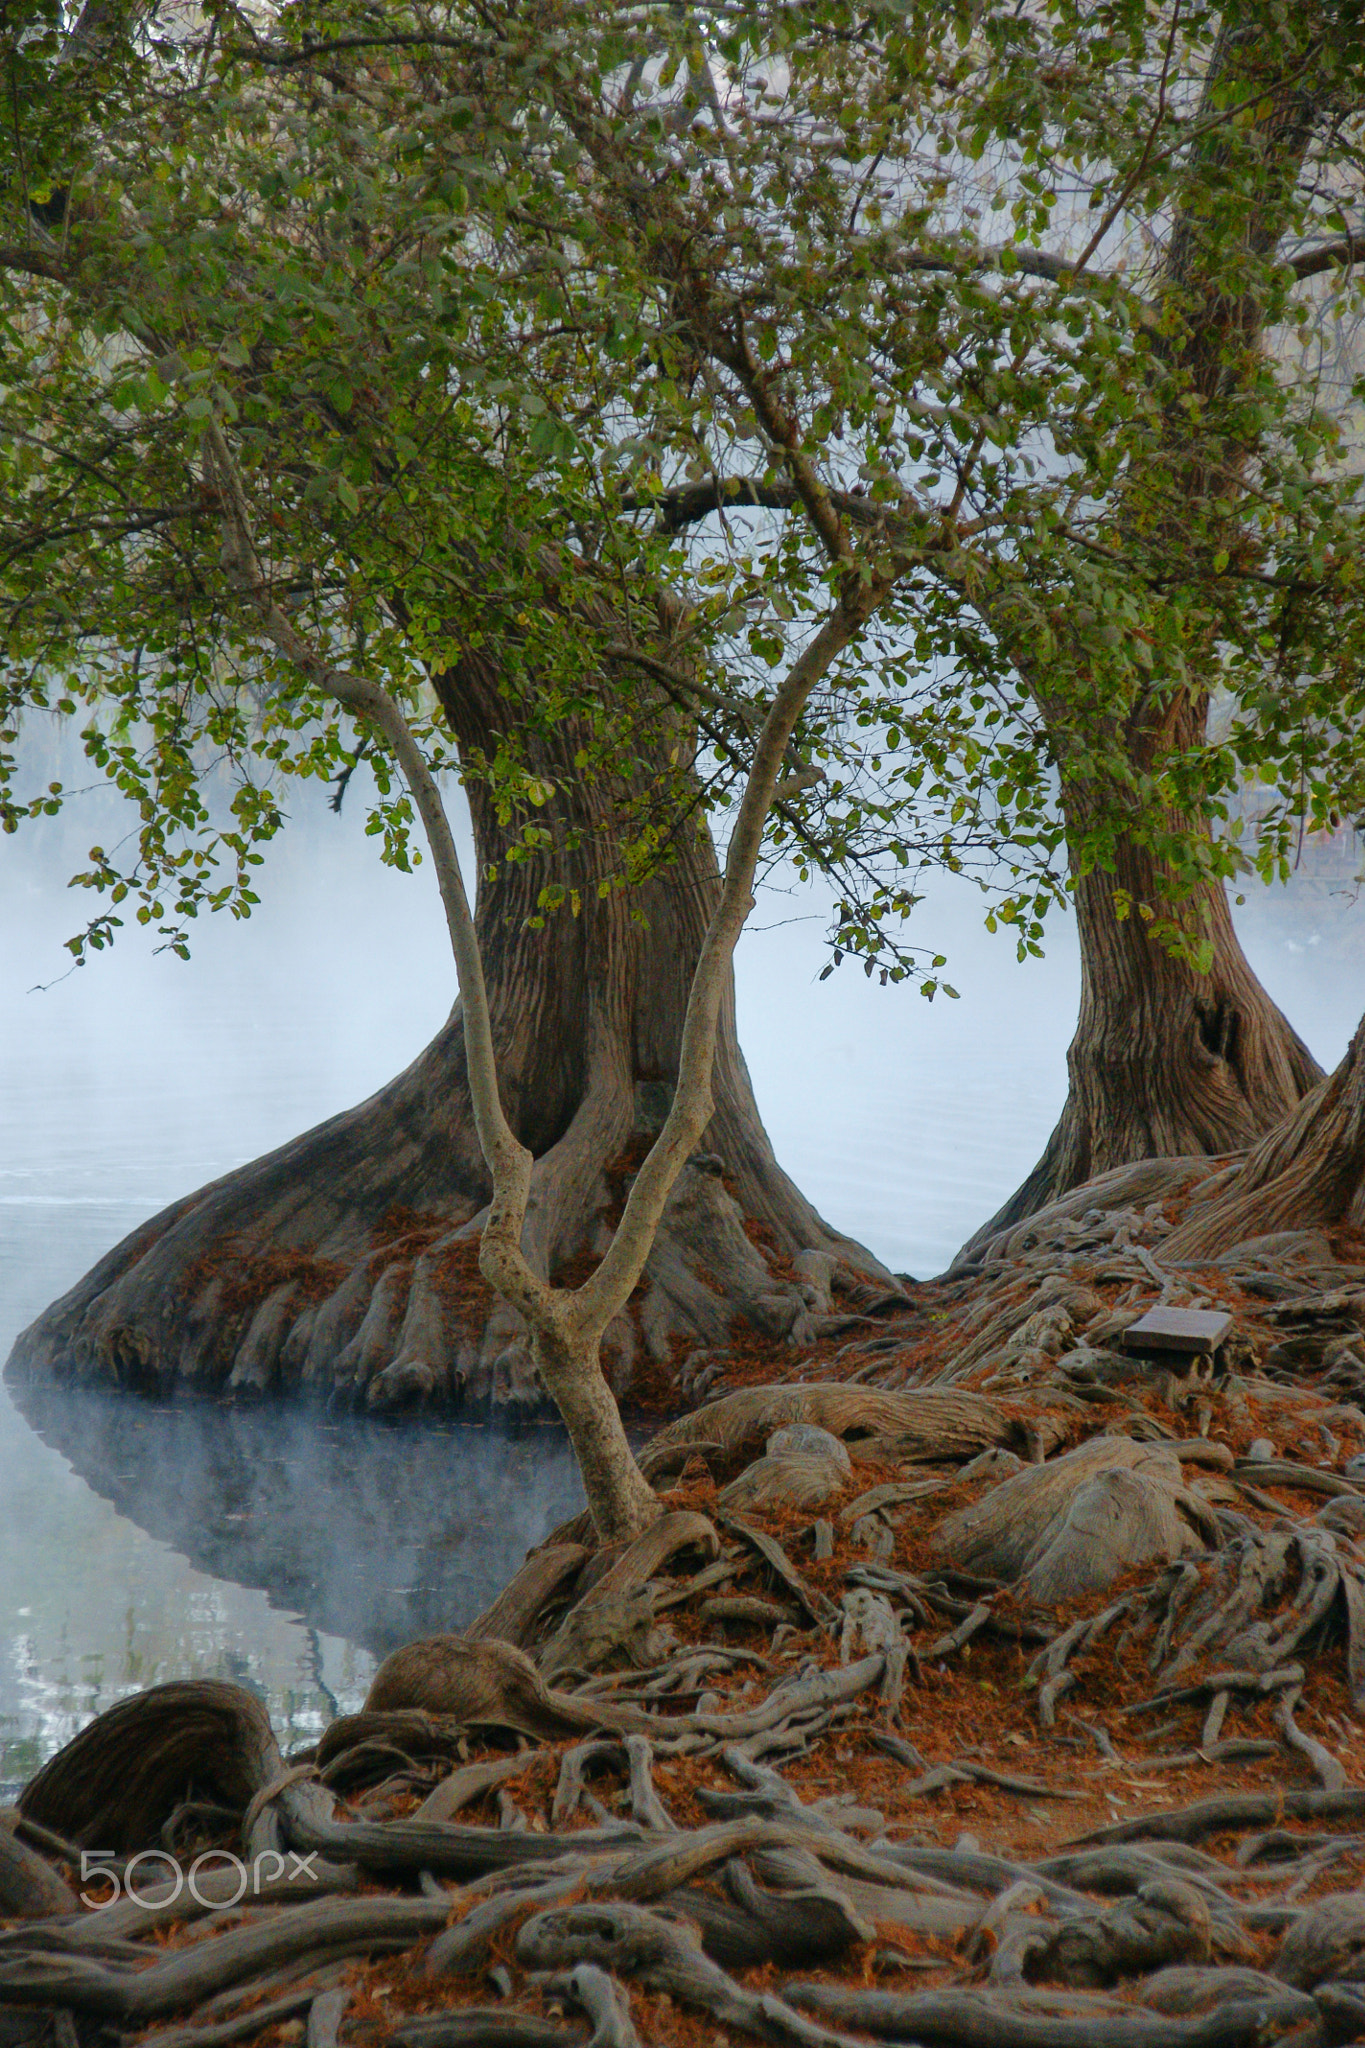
[{"x": 140, "y": 1542}]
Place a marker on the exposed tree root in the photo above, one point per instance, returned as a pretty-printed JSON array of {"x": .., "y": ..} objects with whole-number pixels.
[
  {"x": 910, "y": 1425},
  {"x": 986, "y": 2019},
  {"x": 122, "y": 1777},
  {"x": 1306, "y": 1171},
  {"x": 1049, "y": 1577},
  {"x": 29, "y": 1887},
  {"x": 796, "y": 1889},
  {"x": 1076, "y": 1524},
  {"x": 487, "y": 2027},
  {"x": 481, "y": 1683}
]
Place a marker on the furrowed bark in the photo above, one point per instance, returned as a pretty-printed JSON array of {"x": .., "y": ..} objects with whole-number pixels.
[
  {"x": 611, "y": 1284},
  {"x": 1165, "y": 1062},
  {"x": 1306, "y": 1173}
]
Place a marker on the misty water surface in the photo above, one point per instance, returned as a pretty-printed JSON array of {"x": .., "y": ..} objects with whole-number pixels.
[{"x": 139, "y": 1543}]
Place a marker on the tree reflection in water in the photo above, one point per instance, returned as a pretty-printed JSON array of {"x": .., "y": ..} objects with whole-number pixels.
[{"x": 376, "y": 1532}]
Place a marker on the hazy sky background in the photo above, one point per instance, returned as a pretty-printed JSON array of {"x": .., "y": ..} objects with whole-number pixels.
[{"x": 906, "y": 1121}]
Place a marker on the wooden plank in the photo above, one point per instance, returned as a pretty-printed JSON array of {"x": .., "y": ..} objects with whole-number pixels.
[{"x": 1188, "y": 1330}]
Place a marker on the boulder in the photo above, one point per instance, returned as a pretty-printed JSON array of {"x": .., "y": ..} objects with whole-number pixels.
[
  {"x": 1074, "y": 1525},
  {"x": 808, "y": 1440}
]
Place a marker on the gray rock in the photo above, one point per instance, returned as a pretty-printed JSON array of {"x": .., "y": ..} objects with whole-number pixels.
[
  {"x": 1345, "y": 1516},
  {"x": 788, "y": 1481},
  {"x": 1262, "y": 1451},
  {"x": 808, "y": 1440}
]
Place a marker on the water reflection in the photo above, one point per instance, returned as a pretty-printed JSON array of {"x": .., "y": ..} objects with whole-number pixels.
[
  {"x": 360, "y": 1535},
  {"x": 372, "y": 1531}
]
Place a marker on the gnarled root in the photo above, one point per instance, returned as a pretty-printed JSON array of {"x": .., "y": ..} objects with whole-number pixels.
[
  {"x": 666, "y": 1956},
  {"x": 605, "y": 2002},
  {"x": 1077, "y": 1523},
  {"x": 30, "y": 1888},
  {"x": 468, "y": 1684},
  {"x": 115, "y": 1784},
  {"x": 517, "y": 1613},
  {"x": 1012, "y": 2019},
  {"x": 917, "y": 1424},
  {"x": 614, "y": 1617},
  {"x": 488, "y": 2026}
]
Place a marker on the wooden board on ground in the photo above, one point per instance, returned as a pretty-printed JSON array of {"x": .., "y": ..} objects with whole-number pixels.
[{"x": 1191, "y": 1331}]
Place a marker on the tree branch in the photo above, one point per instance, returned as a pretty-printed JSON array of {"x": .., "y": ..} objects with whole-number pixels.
[
  {"x": 33, "y": 262},
  {"x": 606, "y": 1292},
  {"x": 782, "y": 431},
  {"x": 995, "y": 256},
  {"x": 508, "y": 1160},
  {"x": 1328, "y": 256},
  {"x": 687, "y": 504},
  {"x": 686, "y": 692}
]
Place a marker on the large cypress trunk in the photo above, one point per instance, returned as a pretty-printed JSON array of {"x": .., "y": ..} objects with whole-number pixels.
[
  {"x": 1166, "y": 1060},
  {"x": 346, "y": 1263},
  {"x": 1169, "y": 1059}
]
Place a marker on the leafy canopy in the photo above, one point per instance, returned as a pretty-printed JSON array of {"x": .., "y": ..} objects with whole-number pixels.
[{"x": 618, "y": 350}]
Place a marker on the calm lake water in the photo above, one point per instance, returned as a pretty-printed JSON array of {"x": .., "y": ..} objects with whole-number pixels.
[{"x": 138, "y": 1542}]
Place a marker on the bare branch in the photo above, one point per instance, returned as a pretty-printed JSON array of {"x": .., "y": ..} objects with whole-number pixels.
[
  {"x": 33, "y": 262},
  {"x": 1328, "y": 256}
]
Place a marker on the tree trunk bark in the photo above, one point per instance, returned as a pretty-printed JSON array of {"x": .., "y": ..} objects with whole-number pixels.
[
  {"x": 1166, "y": 1061},
  {"x": 1308, "y": 1173},
  {"x": 346, "y": 1264}
]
